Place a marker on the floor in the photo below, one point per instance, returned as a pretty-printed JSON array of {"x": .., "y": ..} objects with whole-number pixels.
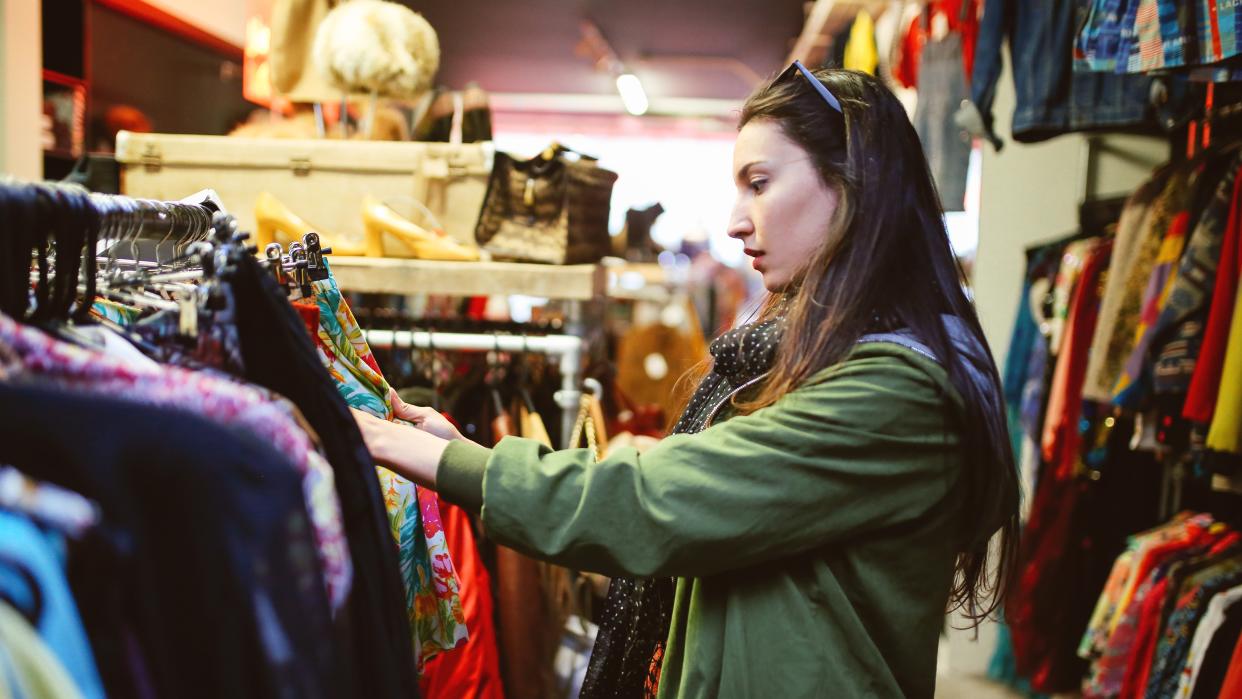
[
  {"x": 969, "y": 687},
  {"x": 960, "y": 685}
]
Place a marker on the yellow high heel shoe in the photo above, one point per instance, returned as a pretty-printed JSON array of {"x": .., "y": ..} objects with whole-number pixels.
[
  {"x": 391, "y": 235},
  {"x": 275, "y": 223}
]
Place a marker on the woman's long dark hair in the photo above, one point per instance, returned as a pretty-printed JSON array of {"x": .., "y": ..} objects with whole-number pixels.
[{"x": 893, "y": 261}]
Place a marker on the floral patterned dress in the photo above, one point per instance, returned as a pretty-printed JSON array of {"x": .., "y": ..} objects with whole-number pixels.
[{"x": 431, "y": 584}]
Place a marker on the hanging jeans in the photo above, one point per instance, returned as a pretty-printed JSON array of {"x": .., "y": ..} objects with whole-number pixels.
[{"x": 942, "y": 88}]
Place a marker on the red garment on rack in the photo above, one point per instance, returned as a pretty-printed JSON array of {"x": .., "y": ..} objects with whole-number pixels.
[
  {"x": 1063, "y": 442},
  {"x": 1140, "y": 659},
  {"x": 472, "y": 670},
  {"x": 1205, "y": 382},
  {"x": 963, "y": 18},
  {"x": 1231, "y": 688}
]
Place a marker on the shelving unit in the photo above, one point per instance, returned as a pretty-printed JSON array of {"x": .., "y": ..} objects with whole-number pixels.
[
  {"x": 573, "y": 284},
  {"x": 632, "y": 281},
  {"x": 384, "y": 275}
]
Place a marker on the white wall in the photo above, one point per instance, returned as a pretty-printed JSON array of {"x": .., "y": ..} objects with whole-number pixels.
[
  {"x": 21, "y": 89},
  {"x": 1030, "y": 194}
]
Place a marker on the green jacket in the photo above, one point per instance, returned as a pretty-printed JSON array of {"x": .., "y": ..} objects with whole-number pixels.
[{"x": 814, "y": 540}]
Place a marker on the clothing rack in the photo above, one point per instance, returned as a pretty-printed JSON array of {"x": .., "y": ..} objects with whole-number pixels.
[
  {"x": 568, "y": 348},
  {"x": 153, "y": 215}
]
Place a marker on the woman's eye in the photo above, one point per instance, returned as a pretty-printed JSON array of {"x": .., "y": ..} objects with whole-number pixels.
[{"x": 758, "y": 185}]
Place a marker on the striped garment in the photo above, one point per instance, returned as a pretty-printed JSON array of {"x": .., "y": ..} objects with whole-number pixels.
[
  {"x": 1138, "y": 36},
  {"x": 1103, "y": 36}
]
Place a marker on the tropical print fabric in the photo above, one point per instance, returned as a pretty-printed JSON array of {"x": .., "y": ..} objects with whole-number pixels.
[
  {"x": 115, "y": 312},
  {"x": 433, "y": 601}
]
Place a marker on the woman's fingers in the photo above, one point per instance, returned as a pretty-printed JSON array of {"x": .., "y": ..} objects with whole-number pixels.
[{"x": 405, "y": 411}]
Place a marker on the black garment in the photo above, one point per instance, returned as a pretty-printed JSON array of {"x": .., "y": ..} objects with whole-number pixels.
[
  {"x": 639, "y": 247},
  {"x": 476, "y": 119},
  {"x": 836, "y": 53},
  {"x": 1218, "y": 654},
  {"x": 203, "y": 570},
  {"x": 278, "y": 354},
  {"x": 634, "y": 624}
]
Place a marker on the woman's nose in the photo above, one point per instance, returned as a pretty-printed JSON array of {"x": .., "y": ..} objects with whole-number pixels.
[{"x": 740, "y": 224}]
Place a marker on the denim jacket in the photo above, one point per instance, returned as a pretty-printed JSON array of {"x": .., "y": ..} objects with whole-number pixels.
[{"x": 1051, "y": 98}]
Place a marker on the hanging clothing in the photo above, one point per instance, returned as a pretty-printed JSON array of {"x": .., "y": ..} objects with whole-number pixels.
[
  {"x": 1213, "y": 619},
  {"x": 890, "y": 29},
  {"x": 1133, "y": 36},
  {"x": 1072, "y": 262},
  {"x": 1133, "y": 384},
  {"x": 28, "y": 555},
  {"x": 1225, "y": 434},
  {"x": 860, "y": 51},
  {"x": 248, "y": 549},
  {"x": 1179, "y": 330},
  {"x": 1205, "y": 383},
  {"x": 942, "y": 88},
  {"x": 228, "y": 402},
  {"x": 1134, "y": 254},
  {"x": 432, "y": 589},
  {"x": 279, "y": 355},
  {"x": 1052, "y": 98},
  {"x": 530, "y": 616},
  {"x": 1077, "y": 524},
  {"x": 1062, "y": 435},
  {"x": 1222, "y": 662},
  {"x": 1162, "y": 589},
  {"x": 28, "y": 668},
  {"x": 1115, "y": 646},
  {"x": 472, "y": 671},
  {"x": 1174, "y": 643},
  {"x": 959, "y": 17}
]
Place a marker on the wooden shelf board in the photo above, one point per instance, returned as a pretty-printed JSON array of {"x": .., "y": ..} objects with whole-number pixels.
[{"x": 397, "y": 276}]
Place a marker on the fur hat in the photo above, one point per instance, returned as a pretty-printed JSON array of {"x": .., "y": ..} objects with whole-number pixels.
[{"x": 366, "y": 46}]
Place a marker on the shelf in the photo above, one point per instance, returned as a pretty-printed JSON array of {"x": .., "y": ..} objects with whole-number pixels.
[
  {"x": 637, "y": 281},
  {"x": 384, "y": 275}
]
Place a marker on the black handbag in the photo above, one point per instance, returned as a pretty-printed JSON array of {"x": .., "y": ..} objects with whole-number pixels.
[{"x": 551, "y": 209}]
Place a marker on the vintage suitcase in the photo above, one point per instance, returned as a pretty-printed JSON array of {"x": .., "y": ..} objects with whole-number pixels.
[{"x": 322, "y": 181}]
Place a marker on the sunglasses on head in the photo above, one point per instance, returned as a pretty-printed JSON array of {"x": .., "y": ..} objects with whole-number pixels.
[{"x": 797, "y": 68}]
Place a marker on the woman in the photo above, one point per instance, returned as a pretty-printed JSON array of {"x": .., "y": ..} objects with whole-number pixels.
[{"x": 835, "y": 481}]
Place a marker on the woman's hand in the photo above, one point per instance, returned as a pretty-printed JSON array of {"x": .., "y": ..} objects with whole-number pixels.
[
  {"x": 424, "y": 418},
  {"x": 409, "y": 451}
]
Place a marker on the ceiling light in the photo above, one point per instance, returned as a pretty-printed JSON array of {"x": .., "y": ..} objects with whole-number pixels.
[{"x": 632, "y": 94}]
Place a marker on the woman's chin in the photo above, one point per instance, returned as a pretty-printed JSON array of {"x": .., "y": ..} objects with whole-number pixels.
[{"x": 774, "y": 283}]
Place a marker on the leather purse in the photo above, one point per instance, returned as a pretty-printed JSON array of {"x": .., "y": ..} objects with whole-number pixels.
[{"x": 551, "y": 209}]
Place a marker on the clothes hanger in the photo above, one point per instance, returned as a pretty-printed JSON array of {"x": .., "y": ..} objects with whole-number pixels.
[
  {"x": 34, "y": 612},
  {"x": 48, "y": 504},
  {"x": 524, "y": 375}
]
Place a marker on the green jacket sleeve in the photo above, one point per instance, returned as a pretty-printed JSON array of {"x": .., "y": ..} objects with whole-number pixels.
[{"x": 870, "y": 444}]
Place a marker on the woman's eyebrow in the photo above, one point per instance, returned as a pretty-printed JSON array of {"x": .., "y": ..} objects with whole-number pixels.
[{"x": 745, "y": 170}]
